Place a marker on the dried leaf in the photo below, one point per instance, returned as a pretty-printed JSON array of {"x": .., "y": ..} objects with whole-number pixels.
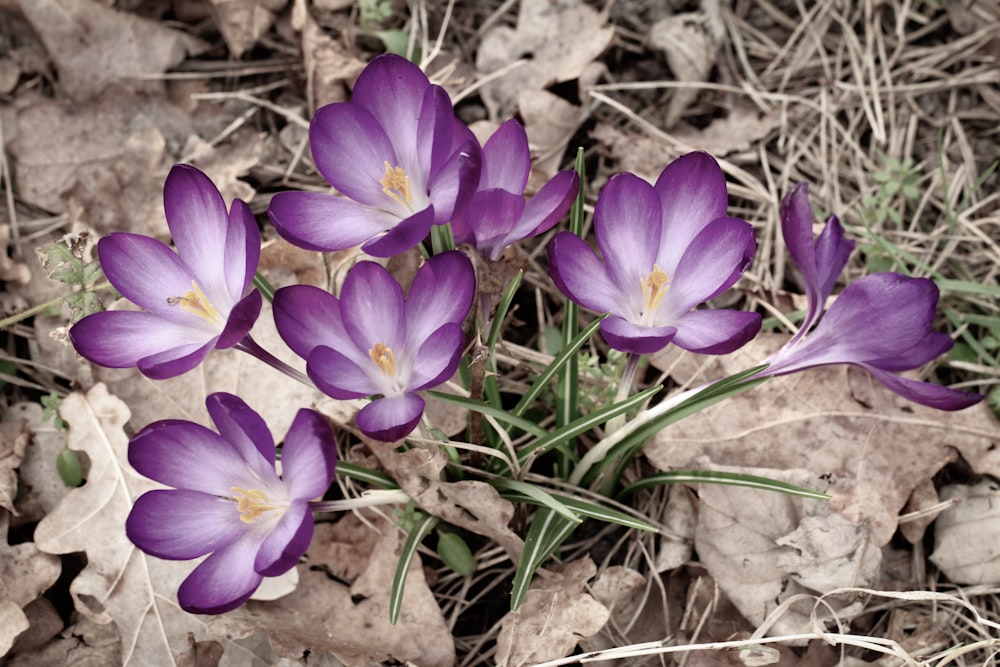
[
  {"x": 14, "y": 438},
  {"x": 690, "y": 46},
  {"x": 474, "y": 506},
  {"x": 636, "y": 611},
  {"x": 555, "y": 616},
  {"x": 561, "y": 37},
  {"x": 327, "y": 617},
  {"x": 242, "y": 22},
  {"x": 873, "y": 446},
  {"x": 93, "y": 45},
  {"x": 966, "y": 535},
  {"x": 120, "y": 584}
]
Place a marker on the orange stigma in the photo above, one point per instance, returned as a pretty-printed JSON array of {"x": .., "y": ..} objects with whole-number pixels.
[
  {"x": 396, "y": 184},
  {"x": 383, "y": 357}
]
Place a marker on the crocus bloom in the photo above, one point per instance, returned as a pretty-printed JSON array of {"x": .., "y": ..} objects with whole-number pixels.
[
  {"x": 398, "y": 155},
  {"x": 881, "y": 323},
  {"x": 228, "y": 500},
  {"x": 666, "y": 248},
  {"x": 194, "y": 300},
  {"x": 497, "y": 215},
  {"x": 371, "y": 341}
]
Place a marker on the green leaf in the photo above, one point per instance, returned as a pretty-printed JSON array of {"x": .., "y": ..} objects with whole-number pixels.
[
  {"x": 728, "y": 478},
  {"x": 566, "y": 353},
  {"x": 496, "y": 413},
  {"x": 265, "y": 287},
  {"x": 398, "y": 42},
  {"x": 413, "y": 540},
  {"x": 455, "y": 553},
  {"x": 585, "y": 509},
  {"x": 584, "y": 424},
  {"x": 547, "y": 531},
  {"x": 69, "y": 467},
  {"x": 537, "y": 495},
  {"x": 356, "y": 472}
]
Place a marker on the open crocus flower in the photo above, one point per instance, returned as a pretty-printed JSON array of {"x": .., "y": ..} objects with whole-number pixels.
[
  {"x": 194, "y": 300},
  {"x": 497, "y": 215},
  {"x": 398, "y": 155},
  {"x": 881, "y": 323},
  {"x": 372, "y": 341},
  {"x": 666, "y": 248},
  {"x": 228, "y": 501}
]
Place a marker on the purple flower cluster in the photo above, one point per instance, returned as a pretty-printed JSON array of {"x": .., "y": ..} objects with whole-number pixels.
[{"x": 400, "y": 163}]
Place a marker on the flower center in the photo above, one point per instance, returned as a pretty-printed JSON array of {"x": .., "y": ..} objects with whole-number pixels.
[
  {"x": 194, "y": 301},
  {"x": 654, "y": 288},
  {"x": 396, "y": 184},
  {"x": 251, "y": 503},
  {"x": 383, "y": 357}
]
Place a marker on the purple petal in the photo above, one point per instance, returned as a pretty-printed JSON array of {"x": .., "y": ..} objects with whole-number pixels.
[
  {"x": 371, "y": 305},
  {"x": 796, "y": 228},
  {"x": 714, "y": 260},
  {"x": 716, "y": 331},
  {"x": 438, "y": 357},
  {"x": 931, "y": 346},
  {"x": 174, "y": 362},
  {"x": 198, "y": 219},
  {"x": 146, "y": 272},
  {"x": 392, "y": 89},
  {"x": 224, "y": 580},
  {"x": 307, "y": 317},
  {"x": 925, "y": 393},
  {"x": 905, "y": 308},
  {"x": 832, "y": 252},
  {"x": 242, "y": 249},
  {"x": 441, "y": 292},
  {"x": 390, "y": 419},
  {"x": 628, "y": 225},
  {"x": 164, "y": 452},
  {"x": 453, "y": 183},
  {"x": 434, "y": 136},
  {"x": 244, "y": 430},
  {"x": 122, "y": 338},
  {"x": 491, "y": 216},
  {"x": 403, "y": 236},
  {"x": 351, "y": 150},
  {"x": 692, "y": 192},
  {"x": 241, "y": 319},
  {"x": 506, "y": 159},
  {"x": 342, "y": 377},
  {"x": 582, "y": 277},
  {"x": 548, "y": 206},
  {"x": 321, "y": 222},
  {"x": 180, "y": 524},
  {"x": 309, "y": 455},
  {"x": 287, "y": 541},
  {"x": 628, "y": 337}
]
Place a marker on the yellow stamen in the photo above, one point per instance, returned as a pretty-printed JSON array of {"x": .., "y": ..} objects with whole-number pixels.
[
  {"x": 654, "y": 287},
  {"x": 194, "y": 301},
  {"x": 396, "y": 184},
  {"x": 383, "y": 357},
  {"x": 251, "y": 504}
]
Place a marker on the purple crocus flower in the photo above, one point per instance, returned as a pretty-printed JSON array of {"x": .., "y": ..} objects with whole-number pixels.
[
  {"x": 881, "y": 322},
  {"x": 194, "y": 300},
  {"x": 497, "y": 215},
  {"x": 666, "y": 248},
  {"x": 371, "y": 341},
  {"x": 398, "y": 155},
  {"x": 228, "y": 500}
]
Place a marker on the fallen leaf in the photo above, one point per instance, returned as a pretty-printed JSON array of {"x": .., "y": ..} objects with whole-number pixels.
[
  {"x": 555, "y": 616},
  {"x": 44, "y": 625},
  {"x": 558, "y": 39},
  {"x": 242, "y": 22},
  {"x": 93, "y": 45},
  {"x": 12, "y": 620},
  {"x": 635, "y": 607},
  {"x": 873, "y": 446},
  {"x": 109, "y": 157},
  {"x": 966, "y": 535},
  {"x": 474, "y": 506},
  {"x": 763, "y": 548},
  {"x": 330, "y": 66},
  {"x": 14, "y": 438},
  {"x": 741, "y": 127},
  {"x": 690, "y": 42},
  {"x": 120, "y": 585},
  {"x": 329, "y": 617},
  {"x": 550, "y": 122},
  {"x": 85, "y": 643}
]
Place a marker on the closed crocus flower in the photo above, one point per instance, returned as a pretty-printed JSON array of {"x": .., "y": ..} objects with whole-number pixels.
[
  {"x": 498, "y": 215},
  {"x": 396, "y": 153},
  {"x": 194, "y": 300},
  {"x": 372, "y": 341},
  {"x": 228, "y": 500},
  {"x": 665, "y": 249},
  {"x": 881, "y": 323}
]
